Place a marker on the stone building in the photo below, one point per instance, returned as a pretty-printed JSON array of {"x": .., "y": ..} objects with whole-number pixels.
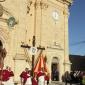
[{"x": 47, "y": 20}]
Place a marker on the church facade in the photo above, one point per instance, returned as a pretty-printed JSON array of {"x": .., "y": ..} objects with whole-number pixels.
[{"x": 47, "y": 20}]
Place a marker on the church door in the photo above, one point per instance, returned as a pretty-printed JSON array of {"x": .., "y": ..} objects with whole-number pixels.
[{"x": 55, "y": 69}]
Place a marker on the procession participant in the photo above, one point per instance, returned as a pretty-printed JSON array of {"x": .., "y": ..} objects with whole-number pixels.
[
  {"x": 25, "y": 77},
  {"x": 29, "y": 80},
  {"x": 46, "y": 78},
  {"x": 11, "y": 75},
  {"x": 34, "y": 80},
  {"x": 5, "y": 76},
  {"x": 41, "y": 79}
]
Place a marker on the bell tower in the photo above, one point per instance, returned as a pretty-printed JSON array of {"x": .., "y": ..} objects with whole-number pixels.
[{"x": 52, "y": 31}]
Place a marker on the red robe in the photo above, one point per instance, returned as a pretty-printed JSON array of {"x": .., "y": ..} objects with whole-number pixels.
[
  {"x": 40, "y": 73},
  {"x": 5, "y": 75},
  {"x": 24, "y": 75},
  {"x": 46, "y": 77},
  {"x": 11, "y": 73},
  {"x": 34, "y": 81}
]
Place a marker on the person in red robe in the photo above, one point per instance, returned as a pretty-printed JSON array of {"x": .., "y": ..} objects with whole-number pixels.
[
  {"x": 25, "y": 77},
  {"x": 41, "y": 79},
  {"x": 47, "y": 77},
  {"x": 4, "y": 76},
  {"x": 11, "y": 75},
  {"x": 34, "y": 80}
]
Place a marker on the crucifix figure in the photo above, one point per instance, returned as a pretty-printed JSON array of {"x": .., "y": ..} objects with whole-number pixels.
[{"x": 33, "y": 56}]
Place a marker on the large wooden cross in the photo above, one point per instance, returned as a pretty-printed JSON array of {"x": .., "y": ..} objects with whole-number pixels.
[{"x": 33, "y": 56}]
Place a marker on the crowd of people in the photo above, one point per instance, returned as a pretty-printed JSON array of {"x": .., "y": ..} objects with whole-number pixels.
[
  {"x": 74, "y": 77},
  {"x": 40, "y": 78}
]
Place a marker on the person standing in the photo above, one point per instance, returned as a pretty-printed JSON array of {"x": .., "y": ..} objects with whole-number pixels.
[
  {"x": 26, "y": 77},
  {"x": 41, "y": 77},
  {"x": 29, "y": 80},
  {"x": 5, "y": 76},
  {"x": 47, "y": 79},
  {"x": 67, "y": 77},
  {"x": 11, "y": 75},
  {"x": 34, "y": 80}
]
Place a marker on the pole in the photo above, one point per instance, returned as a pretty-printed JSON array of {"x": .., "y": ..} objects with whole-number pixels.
[
  {"x": 33, "y": 57},
  {"x": 33, "y": 41}
]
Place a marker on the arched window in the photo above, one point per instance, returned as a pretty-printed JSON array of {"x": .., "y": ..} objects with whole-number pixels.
[{"x": 55, "y": 60}]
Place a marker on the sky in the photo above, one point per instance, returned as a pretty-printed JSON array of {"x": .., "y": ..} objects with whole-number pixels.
[{"x": 77, "y": 28}]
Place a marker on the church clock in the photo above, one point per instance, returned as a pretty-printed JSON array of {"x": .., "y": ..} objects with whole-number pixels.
[{"x": 55, "y": 15}]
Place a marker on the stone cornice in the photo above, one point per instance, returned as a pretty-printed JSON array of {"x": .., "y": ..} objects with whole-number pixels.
[
  {"x": 2, "y": 0},
  {"x": 68, "y": 2}
]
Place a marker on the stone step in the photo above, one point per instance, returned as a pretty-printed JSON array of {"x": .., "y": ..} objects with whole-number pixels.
[{"x": 56, "y": 83}]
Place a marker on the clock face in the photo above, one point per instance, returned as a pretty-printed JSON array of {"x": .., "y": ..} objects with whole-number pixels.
[{"x": 55, "y": 15}]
